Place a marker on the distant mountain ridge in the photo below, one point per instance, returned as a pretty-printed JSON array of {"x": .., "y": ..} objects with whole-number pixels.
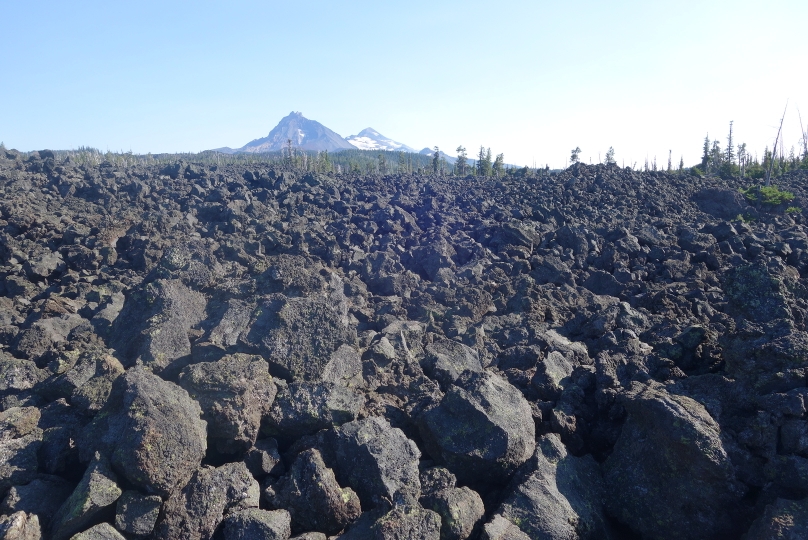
[
  {"x": 306, "y": 134},
  {"x": 303, "y": 133}
]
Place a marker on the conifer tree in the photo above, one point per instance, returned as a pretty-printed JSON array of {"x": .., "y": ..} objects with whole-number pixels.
[
  {"x": 460, "y": 164},
  {"x": 730, "y": 153},
  {"x": 575, "y": 156},
  {"x": 610, "y": 156},
  {"x": 499, "y": 165},
  {"x": 705, "y": 156}
]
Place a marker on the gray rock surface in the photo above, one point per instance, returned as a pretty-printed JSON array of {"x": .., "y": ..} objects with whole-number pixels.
[
  {"x": 254, "y": 523},
  {"x": 235, "y": 393},
  {"x": 136, "y": 513},
  {"x": 315, "y": 500},
  {"x": 195, "y": 512},
  {"x": 152, "y": 431},
  {"x": 376, "y": 460},
  {"x": 671, "y": 449},
  {"x": 97, "y": 492},
  {"x": 482, "y": 430},
  {"x": 557, "y": 495}
]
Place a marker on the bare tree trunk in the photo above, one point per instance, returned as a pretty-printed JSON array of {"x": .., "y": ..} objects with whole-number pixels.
[{"x": 774, "y": 150}]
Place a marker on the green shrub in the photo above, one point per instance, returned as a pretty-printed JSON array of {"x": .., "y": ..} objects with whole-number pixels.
[
  {"x": 793, "y": 210},
  {"x": 769, "y": 195}
]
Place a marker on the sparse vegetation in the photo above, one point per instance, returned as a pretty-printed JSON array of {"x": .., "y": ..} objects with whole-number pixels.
[{"x": 767, "y": 195}]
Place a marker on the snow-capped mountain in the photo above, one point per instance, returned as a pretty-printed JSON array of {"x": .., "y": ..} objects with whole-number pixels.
[
  {"x": 305, "y": 134},
  {"x": 370, "y": 139}
]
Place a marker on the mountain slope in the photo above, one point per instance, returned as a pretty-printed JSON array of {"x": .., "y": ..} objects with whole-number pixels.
[
  {"x": 305, "y": 134},
  {"x": 370, "y": 139}
]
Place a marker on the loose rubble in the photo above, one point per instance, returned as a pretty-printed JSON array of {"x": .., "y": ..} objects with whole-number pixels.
[{"x": 205, "y": 352}]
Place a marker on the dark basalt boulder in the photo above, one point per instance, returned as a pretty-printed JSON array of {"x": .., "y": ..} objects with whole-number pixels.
[
  {"x": 460, "y": 509},
  {"x": 313, "y": 497},
  {"x": 402, "y": 521},
  {"x": 151, "y": 430},
  {"x": 482, "y": 430},
  {"x": 136, "y": 514},
  {"x": 20, "y": 442},
  {"x": 671, "y": 449},
  {"x": 254, "y": 523},
  {"x": 556, "y": 495},
  {"x": 374, "y": 459},
  {"x": 303, "y": 408},
  {"x": 102, "y": 531},
  {"x": 93, "y": 496},
  {"x": 153, "y": 325},
  {"x": 235, "y": 393},
  {"x": 781, "y": 520},
  {"x": 446, "y": 360},
  {"x": 212, "y": 493},
  {"x": 41, "y": 497},
  {"x": 298, "y": 336}
]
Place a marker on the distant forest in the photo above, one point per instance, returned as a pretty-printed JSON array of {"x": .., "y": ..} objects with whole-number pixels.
[{"x": 731, "y": 161}]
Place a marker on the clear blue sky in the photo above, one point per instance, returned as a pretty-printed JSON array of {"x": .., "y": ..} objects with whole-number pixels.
[{"x": 529, "y": 79}]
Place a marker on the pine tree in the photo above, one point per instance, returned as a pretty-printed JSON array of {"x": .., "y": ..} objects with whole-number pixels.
[
  {"x": 402, "y": 163},
  {"x": 575, "y": 156},
  {"x": 705, "y": 156},
  {"x": 436, "y": 161},
  {"x": 460, "y": 164},
  {"x": 487, "y": 162},
  {"x": 730, "y": 155},
  {"x": 610, "y": 157},
  {"x": 499, "y": 164}
]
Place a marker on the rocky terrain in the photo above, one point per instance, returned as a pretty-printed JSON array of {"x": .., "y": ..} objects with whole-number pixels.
[{"x": 245, "y": 353}]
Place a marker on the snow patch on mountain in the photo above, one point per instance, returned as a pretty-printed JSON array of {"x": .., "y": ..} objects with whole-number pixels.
[{"x": 370, "y": 139}]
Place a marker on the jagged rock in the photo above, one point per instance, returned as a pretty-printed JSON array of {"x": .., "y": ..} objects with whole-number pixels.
[
  {"x": 20, "y": 441},
  {"x": 298, "y": 336},
  {"x": 575, "y": 286},
  {"x": 402, "y": 521},
  {"x": 314, "y": 499},
  {"x": 20, "y": 526},
  {"x": 96, "y": 493},
  {"x": 435, "y": 479},
  {"x": 102, "y": 531},
  {"x": 153, "y": 325},
  {"x": 460, "y": 510},
  {"x": 254, "y": 523},
  {"x": 41, "y": 497},
  {"x": 500, "y": 528},
  {"x": 446, "y": 360},
  {"x": 781, "y": 520},
  {"x": 152, "y": 431},
  {"x": 195, "y": 512},
  {"x": 17, "y": 375},
  {"x": 304, "y": 408},
  {"x": 672, "y": 449},
  {"x": 136, "y": 513},
  {"x": 43, "y": 334},
  {"x": 263, "y": 459},
  {"x": 234, "y": 392},
  {"x": 557, "y": 495},
  {"x": 374, "y": 459},
  {"x": 482, "y": 430}
]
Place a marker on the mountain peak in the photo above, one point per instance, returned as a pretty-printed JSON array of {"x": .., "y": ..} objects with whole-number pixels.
[
  {"x": 370, "y": 139},
  {"x": 303, "y": 133}
]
